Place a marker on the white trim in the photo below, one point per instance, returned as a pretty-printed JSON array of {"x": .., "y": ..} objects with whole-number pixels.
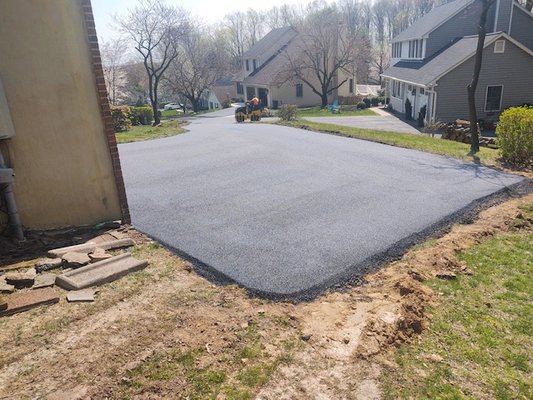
[
  {"x": 496, "y": 14},
  {"x": 487, "y": 93},
  {"x": 403, "y": 80}
]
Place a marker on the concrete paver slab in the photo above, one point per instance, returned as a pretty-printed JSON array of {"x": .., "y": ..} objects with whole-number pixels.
[
  {"x": 90, "y": 247},
  {"x": 44, "y": 280},
  {"x": 23, "y": 301},
  {"x": 84, "y": 296},
  {"x": 100, "y": 272},
  {"x": 286, "y": 212}
]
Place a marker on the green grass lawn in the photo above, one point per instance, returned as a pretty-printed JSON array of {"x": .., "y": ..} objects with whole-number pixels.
[
  {"x": 147, "y": 132},
  {"x": 480, "y": 342},
  {"x": 324, "y": 112},
  {"x": 170, "y": 114},
  {"x": 418, "y": 142}
]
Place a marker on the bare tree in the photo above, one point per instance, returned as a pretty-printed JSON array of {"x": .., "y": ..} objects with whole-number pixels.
[
  {"x": 135, "y": 87},
  {"x": 472, "y": 86},
  {"x": 113, "y": 54},
  {"x": 236, "y": 32},
  {"x": 156, "y": 29},
  {"x": 323, "y": 50},
  {"x": 200, "y": 64}
]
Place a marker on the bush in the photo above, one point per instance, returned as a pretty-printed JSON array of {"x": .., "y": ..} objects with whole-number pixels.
[
  {"x": 226, "y": 103},
  {"x": 375, "y": 101},
  {"x": 408, "y": 110},
  {"x": 141, "y": 115},
  {"x": 422, "y": 116},
  {"x": 515, "y": 135},
  {"x": 361, "y": 105},
  {"x": 288, "y": 112},
  {"x": 367, "y": 101},
  {"x": 121, "y": 118}
]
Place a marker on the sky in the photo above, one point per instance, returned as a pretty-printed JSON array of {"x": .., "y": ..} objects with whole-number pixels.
[{"x": 207, "y": 10}]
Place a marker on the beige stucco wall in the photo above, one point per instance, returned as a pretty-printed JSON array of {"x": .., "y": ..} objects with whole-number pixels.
[{"x": 63, "y": 168}]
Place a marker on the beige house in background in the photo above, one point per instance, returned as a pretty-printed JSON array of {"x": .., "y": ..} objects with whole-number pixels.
[
  {"x": 265, "y": 61},
  {"x": 63, "y": 151}
]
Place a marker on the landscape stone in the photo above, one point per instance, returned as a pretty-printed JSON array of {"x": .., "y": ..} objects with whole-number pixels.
[
  {"x": 99, "y": 255},
  {"x": 21, "y": 279},
  {"x": 85, "y": 295},
  {"x": 75, "y": 260},
  {"x": 44, "y": 280},
  {"x": 90, "y": 247},
  {"x": 47, "y": 264},
  {"x": 3, "y": 303},
  {"x": 100, "y": 272},
  {"x": 4, "y": 287},
  {"x": 26, "y": 300}
]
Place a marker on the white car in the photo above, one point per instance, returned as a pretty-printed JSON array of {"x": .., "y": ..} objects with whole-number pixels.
[{"x": 172, "y": 106}]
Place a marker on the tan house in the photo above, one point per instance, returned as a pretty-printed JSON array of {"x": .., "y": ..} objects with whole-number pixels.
[
  {"x": 60, "y": 144},
  {"x": 263, "y": 65}
]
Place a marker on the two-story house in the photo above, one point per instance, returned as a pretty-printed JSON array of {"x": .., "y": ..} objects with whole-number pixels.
[
  {"x": 432, "y": 61},
  {"x": 264, "y": 64}
]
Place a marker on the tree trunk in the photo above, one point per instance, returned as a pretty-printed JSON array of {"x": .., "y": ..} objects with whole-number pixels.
[
  {"x": 471, "y": 88},
  {"x": 324, "y": 99},
  {"x": 157, "y": 118}
]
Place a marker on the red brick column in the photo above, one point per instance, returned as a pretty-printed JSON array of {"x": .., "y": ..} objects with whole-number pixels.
[{"x": 105, "y": 108}]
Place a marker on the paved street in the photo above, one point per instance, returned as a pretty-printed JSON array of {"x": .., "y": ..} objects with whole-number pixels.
[{"x": 287, "y": 212}]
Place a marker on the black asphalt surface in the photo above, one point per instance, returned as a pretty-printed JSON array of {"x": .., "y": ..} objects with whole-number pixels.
[{"x": 286, "y": 212}]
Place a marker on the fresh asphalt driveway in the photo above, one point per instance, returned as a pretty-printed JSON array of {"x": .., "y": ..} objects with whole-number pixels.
[{"x": 286, "y": 212}]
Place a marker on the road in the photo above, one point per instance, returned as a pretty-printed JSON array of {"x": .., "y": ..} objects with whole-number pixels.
[{"x": 285, "y": 212}]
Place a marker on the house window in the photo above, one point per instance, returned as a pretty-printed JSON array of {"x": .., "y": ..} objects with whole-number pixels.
[
  {"x": 255, "y": 64},
  {"x": 240, "y": 89},
  {"x": 422, "y": 91},
  {"x": 247, "y": 65},
  {"x": 396, "y": 50},
  {"x": 416, "y": 48},
  {"x": 299, "y": 90},
  {"x": 397, "y": 89},
  {"x": 350, "y": 84},
  {"x": 499, "y": 46},
  {"x": 493, "y": 98}
]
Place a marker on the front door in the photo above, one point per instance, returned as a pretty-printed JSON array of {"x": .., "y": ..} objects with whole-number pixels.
[{"x": 262, "y": 93}]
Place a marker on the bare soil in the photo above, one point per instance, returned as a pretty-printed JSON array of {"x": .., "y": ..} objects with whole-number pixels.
[{"x": 168, "y": 333}]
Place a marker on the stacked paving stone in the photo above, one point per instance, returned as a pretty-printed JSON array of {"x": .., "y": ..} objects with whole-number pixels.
[{"x": 26, "y": 285}]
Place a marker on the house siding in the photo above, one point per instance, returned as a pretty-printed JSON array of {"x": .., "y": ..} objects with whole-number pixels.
[
  {"x": 452, "y": 100},
  {"x": 504, "y": 15},
  {"x": 522, "y": 27},
  {"x": 462, "y": 24},
  {"x": 64, "y": 151}
]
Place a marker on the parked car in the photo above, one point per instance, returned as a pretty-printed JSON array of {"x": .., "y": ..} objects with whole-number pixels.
[{"x": 173, "y": 106}]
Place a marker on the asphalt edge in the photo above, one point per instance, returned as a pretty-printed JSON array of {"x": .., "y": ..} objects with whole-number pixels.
[{"x": 348, "y": 277}]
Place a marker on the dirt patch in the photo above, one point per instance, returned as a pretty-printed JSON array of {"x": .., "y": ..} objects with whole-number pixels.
[{"x": 166, "y": 332}]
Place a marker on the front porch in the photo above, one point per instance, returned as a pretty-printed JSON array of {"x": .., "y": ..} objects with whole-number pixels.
[{"x": 419, "y": 96}]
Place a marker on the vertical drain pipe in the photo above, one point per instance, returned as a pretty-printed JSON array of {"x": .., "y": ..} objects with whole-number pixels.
[{"x": 12, "y": 212}]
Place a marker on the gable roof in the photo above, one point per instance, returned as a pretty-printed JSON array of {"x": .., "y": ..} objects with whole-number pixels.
[
  {"x": 275, "y": 38},
  {"x": 433, "y": 19},
  {"x": 429, "y": 71}
]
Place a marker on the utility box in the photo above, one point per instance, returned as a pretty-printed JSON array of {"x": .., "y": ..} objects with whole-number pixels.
[{"x": 7, "y": 129}]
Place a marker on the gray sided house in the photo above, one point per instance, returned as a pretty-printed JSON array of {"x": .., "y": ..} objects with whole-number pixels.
[
  {"x": 263, "y": 69},
  {"x": 433, "y": 61}
]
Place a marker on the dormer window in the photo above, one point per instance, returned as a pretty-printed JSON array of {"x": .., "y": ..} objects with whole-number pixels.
[
  {"x": 255, "y": 64},
  {"x": 499, "y": 46},
  {"x": 247, "y": 65},
  {"x": 396, "y": 50}
]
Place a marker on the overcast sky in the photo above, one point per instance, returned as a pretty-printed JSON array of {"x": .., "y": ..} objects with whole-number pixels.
[{"x": 208, "y": 10}]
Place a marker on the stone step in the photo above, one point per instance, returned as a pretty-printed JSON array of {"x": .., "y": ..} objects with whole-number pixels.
[
  {"x": 23, "y": 301},
  {"x": 100, "y": 272},
  {"x": 90, "y": 247}
]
